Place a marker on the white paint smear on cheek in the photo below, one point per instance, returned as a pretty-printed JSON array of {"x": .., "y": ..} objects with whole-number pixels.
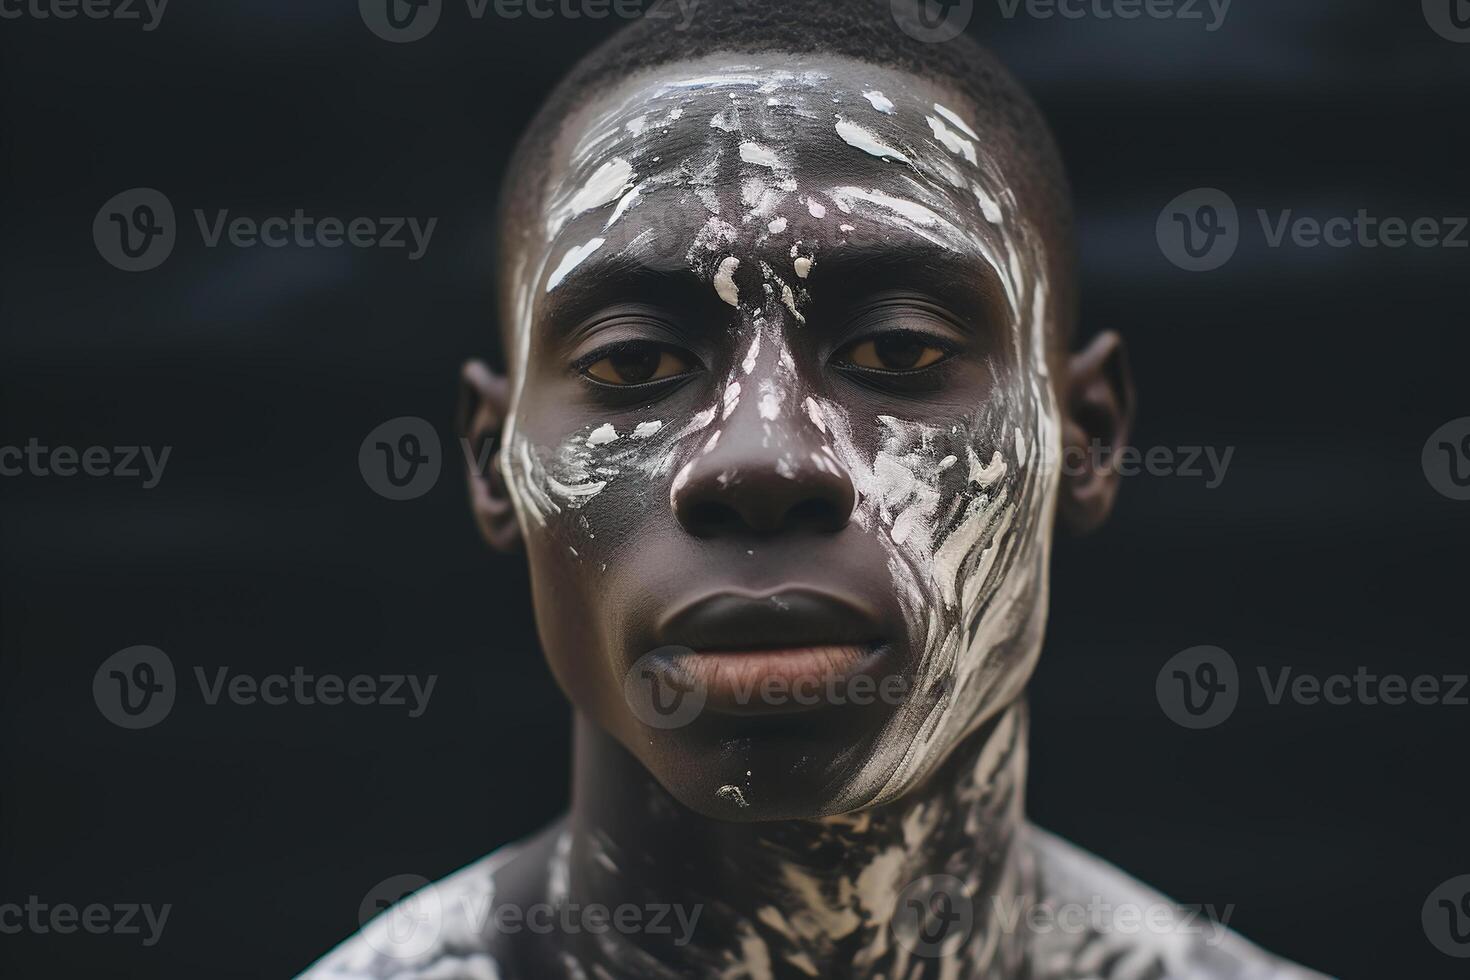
[
  {"x": 603, "y": 435},
  {"x": 646, "y": 429},
  {"x": 777, "y": 226}
]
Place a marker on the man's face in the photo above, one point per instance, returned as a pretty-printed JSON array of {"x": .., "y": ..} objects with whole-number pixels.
[{"x": 783, "y": 434}]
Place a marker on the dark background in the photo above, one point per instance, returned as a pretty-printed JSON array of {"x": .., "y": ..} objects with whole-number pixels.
[{"x": 1325, "y": 548}]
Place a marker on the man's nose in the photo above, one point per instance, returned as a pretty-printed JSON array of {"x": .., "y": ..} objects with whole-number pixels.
[{"x": 769, "y": 470}]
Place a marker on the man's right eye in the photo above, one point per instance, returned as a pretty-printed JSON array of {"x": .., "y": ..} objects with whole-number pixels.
[{"x": 637, "y": 363}]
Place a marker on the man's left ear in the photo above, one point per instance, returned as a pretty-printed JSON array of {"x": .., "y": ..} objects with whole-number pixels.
[
  {"x": 484, "y": 403},
  {"x": 1097, "y": 419}
]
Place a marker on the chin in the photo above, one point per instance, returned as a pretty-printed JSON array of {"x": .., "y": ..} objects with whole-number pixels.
[{"x": 791, "y": 768}]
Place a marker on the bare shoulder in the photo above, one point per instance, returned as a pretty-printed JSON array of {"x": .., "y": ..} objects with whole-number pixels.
[
  {"x": 444, "y": 931},
  {"x": 1100, "y": 923}
]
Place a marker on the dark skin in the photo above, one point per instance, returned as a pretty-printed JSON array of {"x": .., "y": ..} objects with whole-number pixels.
[{"x": 886, "y": 321}]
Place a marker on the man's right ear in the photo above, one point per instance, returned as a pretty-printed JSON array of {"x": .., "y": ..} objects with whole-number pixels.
[{"x": 484, "y": 403}]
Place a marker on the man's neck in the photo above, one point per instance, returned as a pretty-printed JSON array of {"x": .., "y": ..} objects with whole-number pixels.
[{"x": 830, "y": 897}]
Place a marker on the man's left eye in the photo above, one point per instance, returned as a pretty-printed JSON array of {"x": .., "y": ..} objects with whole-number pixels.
[{"x": 895, "y": 352}]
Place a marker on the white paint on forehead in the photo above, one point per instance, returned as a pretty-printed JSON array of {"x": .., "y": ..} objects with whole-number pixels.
[
  {"x": 954, "y": 117},
  {"x": 777, "y": 225},
  {"x": 854, "y": 135},
  {"x": 628, "y": 200},
  {"x": 607, "y": 183},
  {"x": 726, "y": 119},
  {"x": 575, "y": 256},
  {"x": 880, "y": 102},
  {"x": 953, "y": 142},
  {"x": 804, "y": 266},
  {"x": 725, "y": 281},
  {"x": 603, "y": 435},
  {"x": 760, "y": 156},
  {"x": 988, "y": 205},
  {"x": 816, "y": 208}
]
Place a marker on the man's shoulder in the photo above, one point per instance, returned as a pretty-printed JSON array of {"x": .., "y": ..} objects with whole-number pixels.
[
  {"x": 1096, "y": 921},
  {"x": 441, "y": 931}
]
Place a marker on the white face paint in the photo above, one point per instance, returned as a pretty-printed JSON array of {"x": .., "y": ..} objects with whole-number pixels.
[{"x": 961, "y": 506}]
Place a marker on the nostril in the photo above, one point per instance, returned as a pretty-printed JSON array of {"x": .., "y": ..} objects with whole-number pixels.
[
  {"x": 813, "y": 513},
  {"x": 712, "y": 517}
]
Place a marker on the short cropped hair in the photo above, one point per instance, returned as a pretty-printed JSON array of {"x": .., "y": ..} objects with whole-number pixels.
[{"x": 863, "y": 30}]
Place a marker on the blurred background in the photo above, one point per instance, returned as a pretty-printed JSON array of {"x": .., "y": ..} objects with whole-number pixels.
[{"x": 1326, "y": 548}]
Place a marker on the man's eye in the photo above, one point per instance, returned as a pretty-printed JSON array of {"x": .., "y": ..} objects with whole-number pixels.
[
  {"x": 636, "y": 364},
  {"x": 892, "y": 352}
]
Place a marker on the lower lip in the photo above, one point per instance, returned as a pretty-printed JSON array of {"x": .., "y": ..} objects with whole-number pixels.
[{"x": 778, "y": 681}]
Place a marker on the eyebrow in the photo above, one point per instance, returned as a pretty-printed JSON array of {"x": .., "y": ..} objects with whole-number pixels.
[
  {"x": 855, "y": 268},
  {"x": 618, "y": 277},
  {"x": 957, "y": 278}
]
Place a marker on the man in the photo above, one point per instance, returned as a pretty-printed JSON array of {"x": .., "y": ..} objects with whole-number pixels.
[{"x": 787, "y": 300}]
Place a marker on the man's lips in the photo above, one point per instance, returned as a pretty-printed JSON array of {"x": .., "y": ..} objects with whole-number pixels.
[
  {"x": 778, "y": 652},
  {"x": 789, "y": 619}
]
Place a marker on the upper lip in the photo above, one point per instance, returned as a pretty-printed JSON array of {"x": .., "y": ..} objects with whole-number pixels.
[{"x": 784, "y": 619}]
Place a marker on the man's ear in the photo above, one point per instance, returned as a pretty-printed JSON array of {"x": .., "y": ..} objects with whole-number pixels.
[
  {"x": 484, "y": 402},
  {"x": 1097, "y": 419}
]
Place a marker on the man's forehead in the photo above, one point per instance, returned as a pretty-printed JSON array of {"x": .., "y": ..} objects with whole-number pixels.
[{"x": 816, "y": 151}]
